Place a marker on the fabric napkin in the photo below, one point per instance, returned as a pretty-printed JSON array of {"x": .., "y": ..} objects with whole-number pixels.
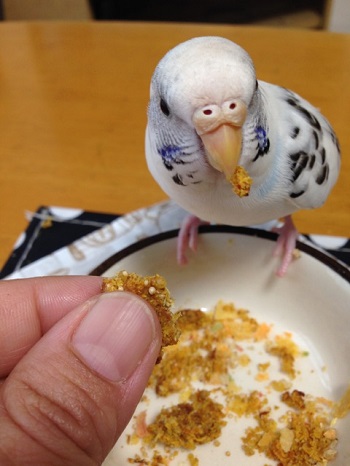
[{"x": 62, "y": 241}]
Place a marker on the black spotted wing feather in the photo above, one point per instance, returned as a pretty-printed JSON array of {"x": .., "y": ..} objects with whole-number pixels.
[{"x": 312, "y": 151}]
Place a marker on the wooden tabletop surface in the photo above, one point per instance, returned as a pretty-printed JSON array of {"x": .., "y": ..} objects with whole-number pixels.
[{"x": 73, "y": 111}]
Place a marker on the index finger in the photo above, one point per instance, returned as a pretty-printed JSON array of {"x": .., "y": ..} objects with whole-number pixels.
[{"x": 30, "y": 307}]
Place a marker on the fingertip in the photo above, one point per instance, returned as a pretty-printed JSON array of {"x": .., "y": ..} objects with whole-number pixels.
[
  {"x": 116, "y": 335},
  {"x": 86, "y": 375}
]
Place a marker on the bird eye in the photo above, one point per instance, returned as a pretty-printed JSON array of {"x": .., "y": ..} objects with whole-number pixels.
[{"x": 164, "y": 107}]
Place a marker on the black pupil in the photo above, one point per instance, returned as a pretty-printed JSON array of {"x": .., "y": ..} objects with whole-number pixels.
[{"x": 164, "y": 107}]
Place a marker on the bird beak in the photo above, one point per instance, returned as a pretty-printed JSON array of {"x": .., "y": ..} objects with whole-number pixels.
[{"x": 223, "y": 146}]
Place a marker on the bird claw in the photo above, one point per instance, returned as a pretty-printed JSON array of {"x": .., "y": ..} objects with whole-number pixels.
[
  {"x": 285, "y": 246},
  {"x": 188, "y": 237}
]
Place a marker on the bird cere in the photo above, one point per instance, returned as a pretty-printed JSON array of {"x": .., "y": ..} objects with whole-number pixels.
[{"x": 232, "y": 149}]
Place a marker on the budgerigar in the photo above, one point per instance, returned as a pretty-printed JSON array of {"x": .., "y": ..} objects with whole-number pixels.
[{"x": 208, "y": 115}]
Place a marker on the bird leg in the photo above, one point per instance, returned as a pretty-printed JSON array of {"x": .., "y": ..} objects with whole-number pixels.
[
  {"x": 188, "y": 237},
  {"x": 286, "y": 242}
]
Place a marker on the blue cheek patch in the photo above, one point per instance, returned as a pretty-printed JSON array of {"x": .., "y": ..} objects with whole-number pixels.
[
  {"x": 261, "y": 137},
  {"x": 171, "y": 155},
  {"x": 263, "y": 142}
]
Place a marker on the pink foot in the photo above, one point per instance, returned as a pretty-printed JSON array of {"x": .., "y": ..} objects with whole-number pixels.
[
  {"x": 188, "y": 237},
  {"x": 285, "y": 246}
]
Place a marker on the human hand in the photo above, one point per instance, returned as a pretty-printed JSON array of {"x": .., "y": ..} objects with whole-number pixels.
[{"x": 73, "y": 366}]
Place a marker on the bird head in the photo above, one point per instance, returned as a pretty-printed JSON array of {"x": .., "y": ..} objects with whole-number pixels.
[{"x": 206, "y": 84}]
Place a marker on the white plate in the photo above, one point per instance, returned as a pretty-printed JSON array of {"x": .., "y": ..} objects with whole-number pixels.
[{"x": 235, "y": 264}]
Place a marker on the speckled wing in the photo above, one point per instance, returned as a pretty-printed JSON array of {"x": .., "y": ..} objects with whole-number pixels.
[{"x": 312, "y": 149}]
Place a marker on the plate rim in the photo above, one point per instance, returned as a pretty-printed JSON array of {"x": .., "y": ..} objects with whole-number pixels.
[{"x": 341, "y": 269}]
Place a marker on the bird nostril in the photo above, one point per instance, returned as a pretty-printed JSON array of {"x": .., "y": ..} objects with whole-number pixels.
[
  {"x": 232, "y": 106},
  {"x": 207, "y": 111}
]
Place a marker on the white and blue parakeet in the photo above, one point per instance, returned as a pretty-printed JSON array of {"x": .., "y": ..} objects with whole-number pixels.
[{"x": 207, "y": 115}]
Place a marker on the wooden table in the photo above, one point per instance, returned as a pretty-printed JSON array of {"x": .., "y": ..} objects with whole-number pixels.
[{"x": 73, "y": 111}]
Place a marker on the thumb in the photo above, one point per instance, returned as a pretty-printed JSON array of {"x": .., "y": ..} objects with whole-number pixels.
[{"x": 69, "y": 399}]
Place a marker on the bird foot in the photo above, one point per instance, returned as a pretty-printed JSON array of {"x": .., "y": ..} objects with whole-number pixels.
[
  {"x": 188, "y": 237},
  {"x": 285, "y": 246}
]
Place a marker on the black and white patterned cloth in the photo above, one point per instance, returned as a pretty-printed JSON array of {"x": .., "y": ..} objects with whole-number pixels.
[{"x": 61, "y": 241}]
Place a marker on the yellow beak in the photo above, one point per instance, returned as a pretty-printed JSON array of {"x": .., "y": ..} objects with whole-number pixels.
[{"x": 223, "y": 146}]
